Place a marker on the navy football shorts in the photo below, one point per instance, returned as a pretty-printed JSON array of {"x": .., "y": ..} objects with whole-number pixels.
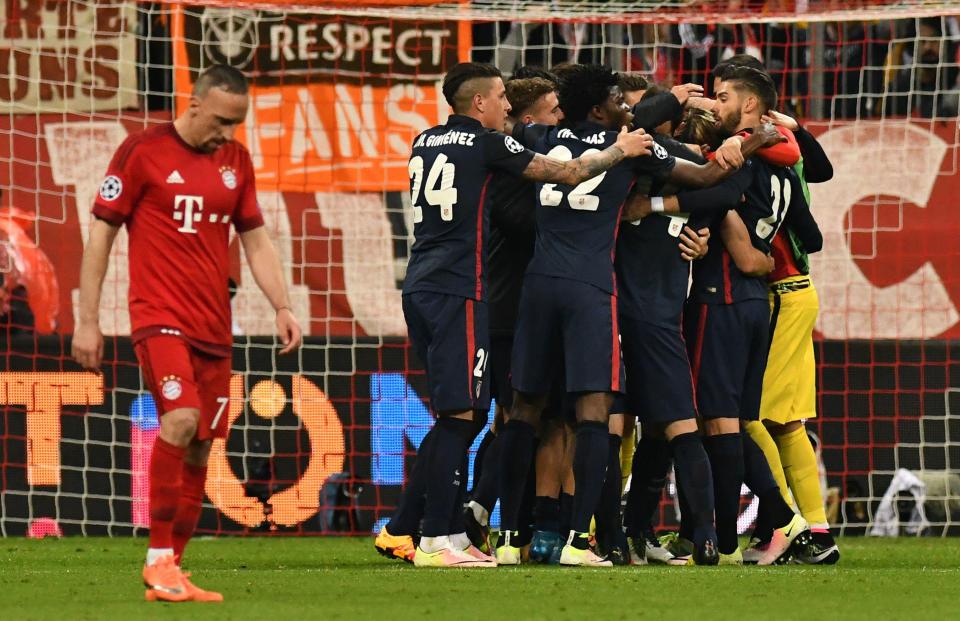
[
  {"x": 659, "y": 381},
  {"x": 450, "y": 334},
  {"x": 727, "y": 344},
  {"x": 569, "y": 323}
]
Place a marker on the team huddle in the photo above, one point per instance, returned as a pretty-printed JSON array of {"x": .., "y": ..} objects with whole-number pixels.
[{"x": 595, "y": 252}]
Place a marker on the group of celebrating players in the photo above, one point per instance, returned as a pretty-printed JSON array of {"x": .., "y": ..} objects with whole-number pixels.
[{"x": 556, "y": 219}]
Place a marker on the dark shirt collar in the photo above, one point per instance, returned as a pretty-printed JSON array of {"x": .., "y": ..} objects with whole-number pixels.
[
  {"x": 588, "y": 126},
  {"x": 462, "y": 119}
]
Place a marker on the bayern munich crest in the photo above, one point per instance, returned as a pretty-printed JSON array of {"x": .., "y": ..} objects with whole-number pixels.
[
  {"x": 172, "y": 388},
  {"x": 111, "y": 188},
  {"x": 229, "y": 178}
]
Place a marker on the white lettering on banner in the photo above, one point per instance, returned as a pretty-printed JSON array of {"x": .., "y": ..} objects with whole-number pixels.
[
  {"x": 259, "y": 128},
  {"x": 368, "y": 263},
  {"x": 281, "y": 37},
  {"x": 872, "y": 158},
  {"x": 330, "y": 37},
  {"x": 400, "y": 144},
  {"x": 186, "y": 209},
  {"x": 348, "y": 42},
  {"x": 349, "y": 119},
  {"x": 307, "y": 38},
  {"x": 67, "y": 56},
  {"x": 309, "y": 134},
  {"x": 79, "y": 154}
]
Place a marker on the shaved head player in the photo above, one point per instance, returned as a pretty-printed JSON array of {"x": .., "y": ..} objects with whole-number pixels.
[{"x": 178, "y": 188}]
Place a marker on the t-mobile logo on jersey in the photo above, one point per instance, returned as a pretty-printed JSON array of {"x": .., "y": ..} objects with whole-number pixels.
[{"x": 187, "y": 209}]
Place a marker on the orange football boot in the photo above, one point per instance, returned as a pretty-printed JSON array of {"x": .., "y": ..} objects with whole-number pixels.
[{"x": 164, "y": 581}]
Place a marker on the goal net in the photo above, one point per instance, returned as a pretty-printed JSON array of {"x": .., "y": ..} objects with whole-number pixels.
[{"x": 320, "y": 441}]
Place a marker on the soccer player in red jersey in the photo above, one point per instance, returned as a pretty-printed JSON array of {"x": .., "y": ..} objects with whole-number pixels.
[{"x": 178, "y": 188}]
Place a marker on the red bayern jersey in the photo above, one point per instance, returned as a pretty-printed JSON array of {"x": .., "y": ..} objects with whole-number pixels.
[{"x": 178, "y": 204}]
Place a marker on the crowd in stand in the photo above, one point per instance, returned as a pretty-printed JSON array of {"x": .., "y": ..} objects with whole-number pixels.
[{"x": 840, "y": 70}]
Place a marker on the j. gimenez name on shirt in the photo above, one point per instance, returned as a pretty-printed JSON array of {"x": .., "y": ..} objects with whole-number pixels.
[{"x": 451, "y": 137}]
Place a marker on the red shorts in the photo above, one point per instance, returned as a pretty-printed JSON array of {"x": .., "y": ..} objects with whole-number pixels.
[{"x": 179, "y": 376}]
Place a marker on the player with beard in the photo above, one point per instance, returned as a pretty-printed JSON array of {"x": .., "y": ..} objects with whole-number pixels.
[
  {"x": 789, "y": 384},
  {"x": 568, "y": 305},
  {"x": 727, "y": 320}
]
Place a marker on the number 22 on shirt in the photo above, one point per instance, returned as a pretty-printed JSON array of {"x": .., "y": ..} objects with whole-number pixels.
[
  {"x": 438, "y": 191},
  {"x": 579, "y": 197}
]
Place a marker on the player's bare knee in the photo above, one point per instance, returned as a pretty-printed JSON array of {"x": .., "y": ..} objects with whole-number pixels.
[
  {"x": 527, "y": 407},
  {"x": 721, "y": 426},
  {"x": 680, "y": 427},
  {"x": 179, "y": 427},
  {"x": 615, "y": 424},
  {"x": 594, "y": 407},
  {"x": 777, "y": 429},
  {"x": 466, "y": 415}
]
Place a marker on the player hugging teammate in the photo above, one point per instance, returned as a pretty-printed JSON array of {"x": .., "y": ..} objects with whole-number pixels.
[{"x": 589, "y": 251}]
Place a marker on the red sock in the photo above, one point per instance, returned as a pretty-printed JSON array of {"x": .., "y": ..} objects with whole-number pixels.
[
  {"x": 188, "y": 508},
  {"x": 166, "y": 466}
]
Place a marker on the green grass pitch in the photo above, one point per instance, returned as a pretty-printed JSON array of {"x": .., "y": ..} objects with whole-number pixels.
[{"x": 275, "y": 579}]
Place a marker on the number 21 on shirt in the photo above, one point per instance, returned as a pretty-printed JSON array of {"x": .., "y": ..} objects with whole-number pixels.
[
  {"x": 438, "y": 191},
  {"x": 779, "y": 203}
]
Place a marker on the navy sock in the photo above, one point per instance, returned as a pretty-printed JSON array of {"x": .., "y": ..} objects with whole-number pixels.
[
  {"x": 651, "y": 462},
  {"x": 406, "y": 518},
  {"x": 608, "y": 509},
  {"x": 546, "y": 513},
  {"x": 686, "y": 514},
  {"x": 756, "y": 474},
  {"x": 457, "y": 524},
  {"x": 516, "y": 454},
  {"x": 726, "y": 461},
  {"x": 566, "y": 513},
  {"x": 589, "y": 469},
  {"x": 446, "y": 474},
  {"x": 480, "y": 461},
  {"x": 527, "y": 504},
  {"x": 695, "y": 478},
  {"x": 486, "y": 489}
]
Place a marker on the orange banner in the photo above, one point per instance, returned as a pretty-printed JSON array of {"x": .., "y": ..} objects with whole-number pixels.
[{"x": 335, "y": 101}]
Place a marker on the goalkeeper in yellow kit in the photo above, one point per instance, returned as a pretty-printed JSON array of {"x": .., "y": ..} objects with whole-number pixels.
[{"x": 789, "y": 383}]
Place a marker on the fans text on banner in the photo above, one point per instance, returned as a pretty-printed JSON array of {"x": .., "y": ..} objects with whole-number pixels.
[{"x": 335, "y": 102}]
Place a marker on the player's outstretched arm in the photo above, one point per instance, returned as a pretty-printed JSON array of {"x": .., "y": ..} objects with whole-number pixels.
[
  {"x": 267, "y": 271},
  {"x": 574, "y": 172},
  {"x": 817, "y": 167},
  {"x": 701, "y": 176},
  {"x": 87, "y": 344},
  {"x": 706, "y": 202},
  {"x": 736, "y": 239}
]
